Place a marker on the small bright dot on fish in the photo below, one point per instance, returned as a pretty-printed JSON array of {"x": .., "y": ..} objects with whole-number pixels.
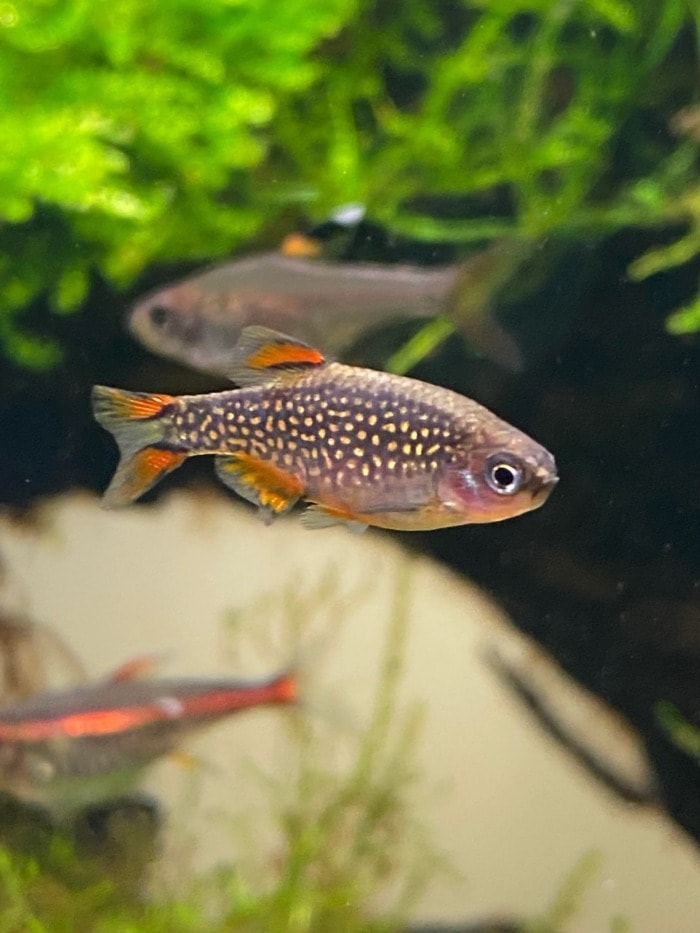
[
  {"x": 319, "y": 417},
  {"x": 419, "y": 450},
  {"x": 413, "y": 436},
  {"x": 344, "y": 439},
  {"x": 358, "y": 451},
  {"x": 359, "y": 417},
  {"x": 193, "y": 437},
  {"x": 339, "y": 454},
  {"x": 171, "y": 706},
  {"x": 376, "y": 460},
  {"x": 390, "y": 427},
  {"x": 230, "y": 416},
  {"x": 372, "y": 420},
  {"x": 331, "y": 442},
  {"x": 214, "y": 435},
  {"x": 425, "y": 432},
  {"x": 308, "y": 422},
  {"x": 376, "y": 440},
  {"x": 364, "y": 469},
  {"x": 406, "y": 449},
  {"x": 361, "y": 435},
  {"x": 190, "y": 417},
  {"x": 255, "y": 420},
  {"x": 391, "y": 464},
  {"x": 392, "y": 446},
  {"x": 293, "y": 420},
  {"x": 282, "y": 425},
  {"x": 259, "y": 433},
  {"x": 321, "y": 433},
  {"x": 245, "y": 431},
  {"x": 292, "y": 445},
  {"x": 403, "y": 426},
  {"x": 334, "y": 427},
  {"x": 288, "y": 459}
]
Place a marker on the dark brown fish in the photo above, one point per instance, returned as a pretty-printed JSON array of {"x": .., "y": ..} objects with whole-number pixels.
[
  {"x": 199, "y": 320},
  {"x": 365, "y": 447},
  {"x": 69, "y": 749}
]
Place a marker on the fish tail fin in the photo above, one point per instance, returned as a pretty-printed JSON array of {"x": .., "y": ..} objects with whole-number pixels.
[
  {"x": 139, "y": 423},
  {"x": 285, "y": 687},
  {"x": 478, "y": 282},
  {"x": 264, "y": 355}
]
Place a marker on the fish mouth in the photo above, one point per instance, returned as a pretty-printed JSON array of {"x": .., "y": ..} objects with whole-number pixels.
[{"x": 543, "y": 488}]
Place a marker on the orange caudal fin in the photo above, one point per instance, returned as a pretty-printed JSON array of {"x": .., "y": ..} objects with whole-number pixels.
[
  {"x": 138, "y": 422},
  {"x": 264, "y": 355}
]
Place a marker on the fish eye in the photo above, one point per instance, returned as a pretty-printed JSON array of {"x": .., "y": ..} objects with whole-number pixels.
[
  {"x": 158, "y": 315},
  {"x": 503, "y": 476}
]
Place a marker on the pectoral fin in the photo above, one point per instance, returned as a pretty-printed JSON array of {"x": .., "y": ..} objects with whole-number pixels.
[
  {"x": 264, "y": 355},
  {"x": 260, "y": 482}
]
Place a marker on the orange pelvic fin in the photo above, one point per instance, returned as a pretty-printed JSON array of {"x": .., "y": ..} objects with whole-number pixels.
[
  {"x": 322, "y": 516},
  {"x": 139, "y": 424},
  {"x": 264, "y": 355},
  {"x": 260, "y": 482}
]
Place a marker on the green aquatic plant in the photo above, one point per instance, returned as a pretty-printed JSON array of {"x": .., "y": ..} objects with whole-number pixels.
[
  {"x": 136, "y": 132},
  {"x": 682, "y": 733},
  {"x": 567, "y": 901}
]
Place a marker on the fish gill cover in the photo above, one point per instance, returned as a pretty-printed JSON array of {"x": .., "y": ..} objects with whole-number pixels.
[{"x": 139, "y": 132}]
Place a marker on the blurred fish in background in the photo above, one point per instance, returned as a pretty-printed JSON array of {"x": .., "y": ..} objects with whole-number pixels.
[
  {"x": 308, "y": 288},
  {"x": 68, "y": 750}
]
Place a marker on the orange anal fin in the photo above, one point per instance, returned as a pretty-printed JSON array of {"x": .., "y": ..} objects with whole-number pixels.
[
  {"x": 298, "y": 245},
  {"x": 139, "y": 473},
  {"x": 260, "y": 482},
  {"x": 264, "y": 355},
  {"x": 322, "y": 516}
]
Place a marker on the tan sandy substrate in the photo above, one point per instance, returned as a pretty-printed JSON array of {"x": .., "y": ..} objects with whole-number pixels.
[{"x": 507, "y": 805}]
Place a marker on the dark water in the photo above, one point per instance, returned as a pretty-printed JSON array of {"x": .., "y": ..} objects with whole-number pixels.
[{"x": 606, "y": 576}]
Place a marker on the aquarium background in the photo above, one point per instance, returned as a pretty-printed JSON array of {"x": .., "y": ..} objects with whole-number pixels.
[{"x": 142, "y": 141}]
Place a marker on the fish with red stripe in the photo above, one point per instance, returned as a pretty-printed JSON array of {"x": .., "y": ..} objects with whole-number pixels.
[
  {"x": 70, "y": 749},
  {"x": 362, "y": 447}
]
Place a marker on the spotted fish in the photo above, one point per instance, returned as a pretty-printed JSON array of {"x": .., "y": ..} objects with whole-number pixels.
[
  {"x": 68, "y": 749},
  {"x": 363, "y": 447}
]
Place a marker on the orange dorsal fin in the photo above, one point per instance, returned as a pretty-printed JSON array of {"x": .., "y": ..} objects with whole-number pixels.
[
  {"x": 135, "y": 668},
  {"x": 264, "y": 355},
  {"x": 298, "y": 245}
]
